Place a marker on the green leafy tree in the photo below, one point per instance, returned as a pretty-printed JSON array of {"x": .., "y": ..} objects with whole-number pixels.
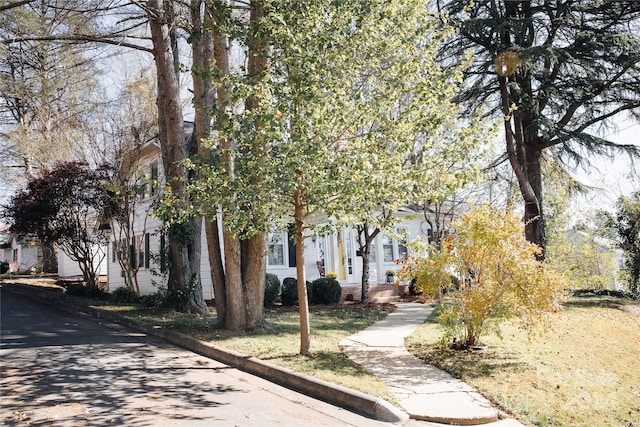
[
  {"x": 406, "y": 143},
  {"x": 583, "y": 252},
  {"x": 337, "y": 106},
  {"x": 588, "y": 263},
  {"x": 627, "y": 222},
  {"x": 183, "y": 229},
  {"x": 555, "y": 73},
  {"x": 273, "y": 157},
  {"x": 496, "y": 276},
  {"x": 238, "y": 273}
]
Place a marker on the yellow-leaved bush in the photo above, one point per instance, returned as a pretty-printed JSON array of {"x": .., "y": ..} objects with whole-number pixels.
[{"x": 487, "y": 272}]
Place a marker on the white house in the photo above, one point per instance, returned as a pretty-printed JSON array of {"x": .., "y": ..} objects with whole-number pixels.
[
  {"x": 28, "y": 255},
  {"x": 336, "y": 252},
  {"x": 69, "y": 269},
  {"x": 25, "y": 254}
]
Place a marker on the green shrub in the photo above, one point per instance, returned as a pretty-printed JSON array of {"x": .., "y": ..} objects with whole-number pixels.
[
  {"x": 271, "y": 289},
  {"x": 309, "y": 292},
  {"x": 326, "y": 291},
  {"x": 79, "y": 289},
  {"x": 289, "y": 295},
  {"x": 155, "y": 300},
  {"x": 124, "y": 295}
]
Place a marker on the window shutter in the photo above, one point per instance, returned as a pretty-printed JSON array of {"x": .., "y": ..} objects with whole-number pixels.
[
  {"x": 291, "y": 243},
  {"x": 147, "y": 245}
]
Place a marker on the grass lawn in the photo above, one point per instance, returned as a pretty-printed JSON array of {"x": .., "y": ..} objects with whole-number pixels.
[
  {"x": 281, "y": 344},
  {"x": 584, "y": 372}
]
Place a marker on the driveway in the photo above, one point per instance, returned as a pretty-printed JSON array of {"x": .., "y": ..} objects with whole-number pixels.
[{"x": 65, "y": 369}]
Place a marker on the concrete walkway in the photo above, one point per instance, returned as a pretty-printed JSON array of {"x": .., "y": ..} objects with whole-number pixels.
[{"x": 425, "y": 392}]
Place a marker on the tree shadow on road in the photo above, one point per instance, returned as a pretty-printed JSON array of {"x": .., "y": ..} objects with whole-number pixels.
[{"x": 61, "y": 373}]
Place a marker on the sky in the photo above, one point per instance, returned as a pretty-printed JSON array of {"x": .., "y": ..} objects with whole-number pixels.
[{"x": 611, "y": 179}]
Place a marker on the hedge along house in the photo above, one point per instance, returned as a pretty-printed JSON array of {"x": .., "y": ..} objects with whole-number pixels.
[{"x": 142, "y": 247}]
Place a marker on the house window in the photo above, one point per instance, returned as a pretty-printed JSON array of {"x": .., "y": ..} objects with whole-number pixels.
[
  {"x": 132, "y": 253},
  {"x": 321, "y": 262},
  {"x": 123, "y": 249},
  {"x": 139, "y": 251},
  {"x": 114, "y": 251},
  {"x": 387, "y": 249},
  {"x": 276, "y": 249},
  {"x": 140, "y": 185},
  {"x": 15, "y": 255},
  {"x": 348, "y": 247}
]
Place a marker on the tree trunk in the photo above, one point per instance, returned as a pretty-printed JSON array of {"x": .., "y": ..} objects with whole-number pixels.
[
  {"x": 364, "y": 299},
  {"x": 254, "y": 266},
  {"x": 303, "y": 303},
  {"x": 524, "y": 156},
  {"x": 183, "y": 244},
  {"x": 236, "y": 310},
  {"x": 217, "y": 271},
  {"x": 533, "y": 214},
  {"x": 209, "y": 49},
  {"x": 254, "y": 262},
  {"x": 236, "y": 307},
  {"x": 364, "y": 244},
  {"x": 202, "y": 47},
  {"x": 194, "y": 249}
]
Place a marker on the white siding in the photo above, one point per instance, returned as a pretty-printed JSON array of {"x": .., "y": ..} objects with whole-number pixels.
[
  {"x": 337, "y": 256},
  {"x": 69, "y": 269}
]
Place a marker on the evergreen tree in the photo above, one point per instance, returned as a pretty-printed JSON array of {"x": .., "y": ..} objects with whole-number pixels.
[
  {"x": 556, "y": 72},
  {"x": 47, "y": 86}
]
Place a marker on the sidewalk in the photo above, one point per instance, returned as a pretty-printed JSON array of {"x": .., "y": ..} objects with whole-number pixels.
[{"x": 425, "y": 392}]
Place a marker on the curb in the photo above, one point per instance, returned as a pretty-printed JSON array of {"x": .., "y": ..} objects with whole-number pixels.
[{"x": 346, "y": 398}]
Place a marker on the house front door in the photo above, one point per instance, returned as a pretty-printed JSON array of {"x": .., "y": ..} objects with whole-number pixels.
[{"x": 349, "y": 256}]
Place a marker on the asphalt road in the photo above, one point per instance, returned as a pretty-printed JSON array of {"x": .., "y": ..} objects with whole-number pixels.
[{"x": 62, "y": 369}]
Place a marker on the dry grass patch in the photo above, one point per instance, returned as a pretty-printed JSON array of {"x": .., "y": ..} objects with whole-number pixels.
[{"x": 583, "y": 372}]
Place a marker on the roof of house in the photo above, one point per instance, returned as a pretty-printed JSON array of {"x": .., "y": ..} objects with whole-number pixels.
[{"x": 5, "y": 239}]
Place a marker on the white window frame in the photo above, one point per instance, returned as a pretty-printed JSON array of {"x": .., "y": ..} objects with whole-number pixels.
[
  {"x": 386, "y": 242},
  {"x": 277, "y": 239}
]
